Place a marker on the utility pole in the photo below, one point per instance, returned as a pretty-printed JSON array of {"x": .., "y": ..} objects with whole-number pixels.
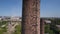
[{"x": 31, "y": 17}]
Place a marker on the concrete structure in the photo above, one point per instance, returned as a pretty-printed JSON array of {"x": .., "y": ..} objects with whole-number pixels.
[
  {"x": 11, "y": 27},
  {"x": 31, "y": 17},
  {"x": 12, "y": 22}
]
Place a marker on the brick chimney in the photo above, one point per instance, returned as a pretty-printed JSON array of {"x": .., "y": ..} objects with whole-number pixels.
[
  {"x": 42, "y": 26},
  {"x": 31, "y": 17}
]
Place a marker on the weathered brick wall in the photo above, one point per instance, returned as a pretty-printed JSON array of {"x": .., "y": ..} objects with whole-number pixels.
[{"x": 31, "y": 17}]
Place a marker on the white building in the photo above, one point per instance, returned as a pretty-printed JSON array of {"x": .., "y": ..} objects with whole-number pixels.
[
  {"x": 47, "y": 21},
  {"x": 58, "y": 26}
]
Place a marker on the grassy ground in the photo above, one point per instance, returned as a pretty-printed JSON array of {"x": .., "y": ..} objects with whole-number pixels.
[{"x": 2, "y": 30}]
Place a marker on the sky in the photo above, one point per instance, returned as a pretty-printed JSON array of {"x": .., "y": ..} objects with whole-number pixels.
[
  {"x": 48, "y": 8},
  {"x": 10, "y": 7}
]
